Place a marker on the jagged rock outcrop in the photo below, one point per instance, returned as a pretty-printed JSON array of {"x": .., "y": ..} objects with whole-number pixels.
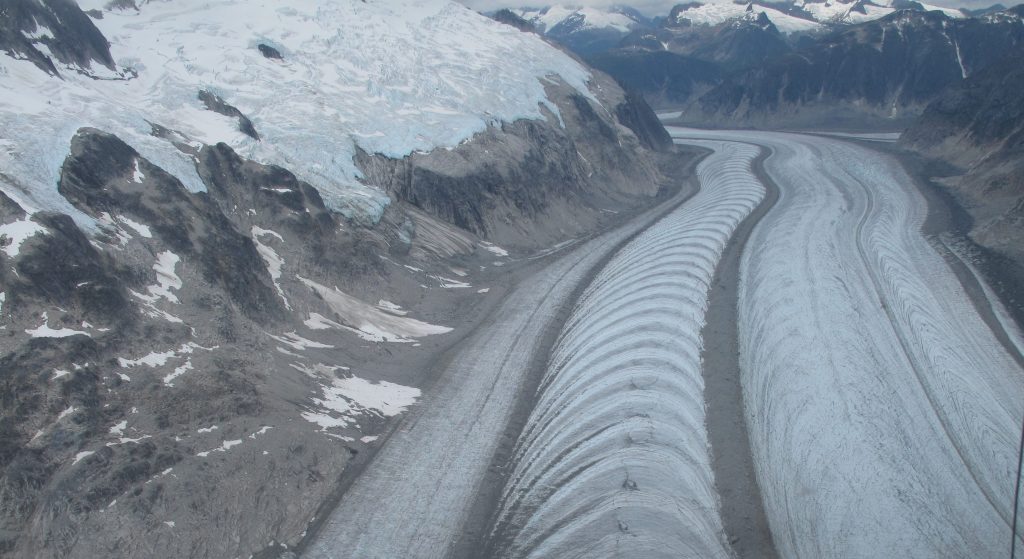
[
  {"x": 67, "y": 34},
  {"x": 532, "y": 183}
]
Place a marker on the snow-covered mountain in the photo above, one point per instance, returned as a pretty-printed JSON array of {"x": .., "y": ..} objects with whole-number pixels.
[
  {"x": 787, "y": 19},
  {"x": 585, "y": 29},
  {"x": 888, "y": 69},
  {"x": 799, "y": 16},
  {"x": 234, "y": 236}
]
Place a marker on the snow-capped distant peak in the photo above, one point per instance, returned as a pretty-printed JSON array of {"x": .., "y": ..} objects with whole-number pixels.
[
  {"x": 717, "y": 13},
  {"x": 547, "y": 19}
]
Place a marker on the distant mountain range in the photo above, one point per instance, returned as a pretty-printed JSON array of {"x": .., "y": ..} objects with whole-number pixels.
[
  {"x": 868, "y": 63},
  {"x": 585, "y": 30}
]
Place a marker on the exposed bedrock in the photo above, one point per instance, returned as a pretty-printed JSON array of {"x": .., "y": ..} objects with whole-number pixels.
[{"x": 532, "y": 183}]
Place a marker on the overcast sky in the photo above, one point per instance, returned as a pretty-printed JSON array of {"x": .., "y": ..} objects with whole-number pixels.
[{"x": 661, "y": 7}]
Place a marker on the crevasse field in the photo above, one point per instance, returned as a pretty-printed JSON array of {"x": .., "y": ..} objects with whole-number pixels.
[{"x": 389, "y": 78}]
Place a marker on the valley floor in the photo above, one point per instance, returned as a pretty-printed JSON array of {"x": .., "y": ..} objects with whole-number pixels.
[{"x": 783, "y": 363}]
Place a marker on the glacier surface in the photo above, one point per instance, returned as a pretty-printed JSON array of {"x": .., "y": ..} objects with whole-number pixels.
[
  {"x": 884, "y": 415},
  {"x": 614, "y": 460},
  {"x": 391, "y": 77}
]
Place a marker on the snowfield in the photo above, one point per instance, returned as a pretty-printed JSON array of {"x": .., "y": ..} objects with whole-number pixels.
[
  {"x": 884, "y": 415},
  {"x": 614, "y": 460},
  {"x": 389, "y": 77}
]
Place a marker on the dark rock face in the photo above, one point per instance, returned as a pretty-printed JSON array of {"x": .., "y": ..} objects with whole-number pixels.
[
  {"x": 979, "y": 126},
  {"x": 61, "y": 26},
  {"x": 65, "y": 269},
  {"x": 889, "y": 68},
  {"x": 737, "y": 44},
  {"x": 508, "y": 185},
  {"x": 677, "y": 62},
  {"x": 100, "y": 456},
  {"x": 634, "y": 113},
  {"x": 95, "y": 178},
  {"x": 269, "y": 51},
  {"x": 218, "y": 105},
  {"x": 664, "y": 78},
  {"x": 508, "y": 17}
]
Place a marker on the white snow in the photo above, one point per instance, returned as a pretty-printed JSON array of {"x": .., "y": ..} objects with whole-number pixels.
[
  {"x": 270, "y": 257},
  {"x": 389, "y": 77},
  {"x": 118, "y": 430},
  {"x": 548, "y": 18},
  {"x": 296, "y": 341},
  {"x": 137, "y": 175},
  {"x": 484, "y": 290},
  {"x": 58, "y": 373},
  {"x": 833, "y": 11},
  {"x": 390, "y": 307},
  {"x": 167, "y": 279},
  {"x": 448, "y": 283},
  {"x": 365, "y": 320},
  {"x": 153, "y": 359},
  {"x": 318, "y": 370},
  {"x": 178, "y": 371},
  {"x": 126, "y": 440},
  {"x": 715, "y": 13},
  {"x": 70, "y": 410},
  {"x": 209, "y": 429},
  {"x": 318, "y": 321},
  {"x": 82, "y": 455},
  {"x": 140, "y": 229},
  {"x": 17, "y": 232},
  {"x": 160, "y": 358},
  {"x": 224, "y": 447},
  {"x": 346, "y": 399},
  {"x": 41, "y": 32},
  {"x": 495, "y": 249},
  {"x": 263, "y": 430},
  {"x": 44, "y": 331}
]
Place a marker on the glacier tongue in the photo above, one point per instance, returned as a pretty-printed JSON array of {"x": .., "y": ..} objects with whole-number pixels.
[
  {"x": 614, "y": 459},
  {"x": 884, "y": 414},
  {"x": 388, "y": 77}
]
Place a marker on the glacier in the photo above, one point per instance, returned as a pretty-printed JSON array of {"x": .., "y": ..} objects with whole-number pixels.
[
  {"x": 393, "y": 78},
  {"x": 614, "y": 460},
  {"x": 883, "y": 412}
]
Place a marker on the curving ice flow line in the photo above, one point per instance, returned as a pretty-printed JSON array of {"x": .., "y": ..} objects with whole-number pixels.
[
  {"x": 614, "y": 459},
  {"x": 418, "y": 492},
  {"x": 883, "y": 412}
]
